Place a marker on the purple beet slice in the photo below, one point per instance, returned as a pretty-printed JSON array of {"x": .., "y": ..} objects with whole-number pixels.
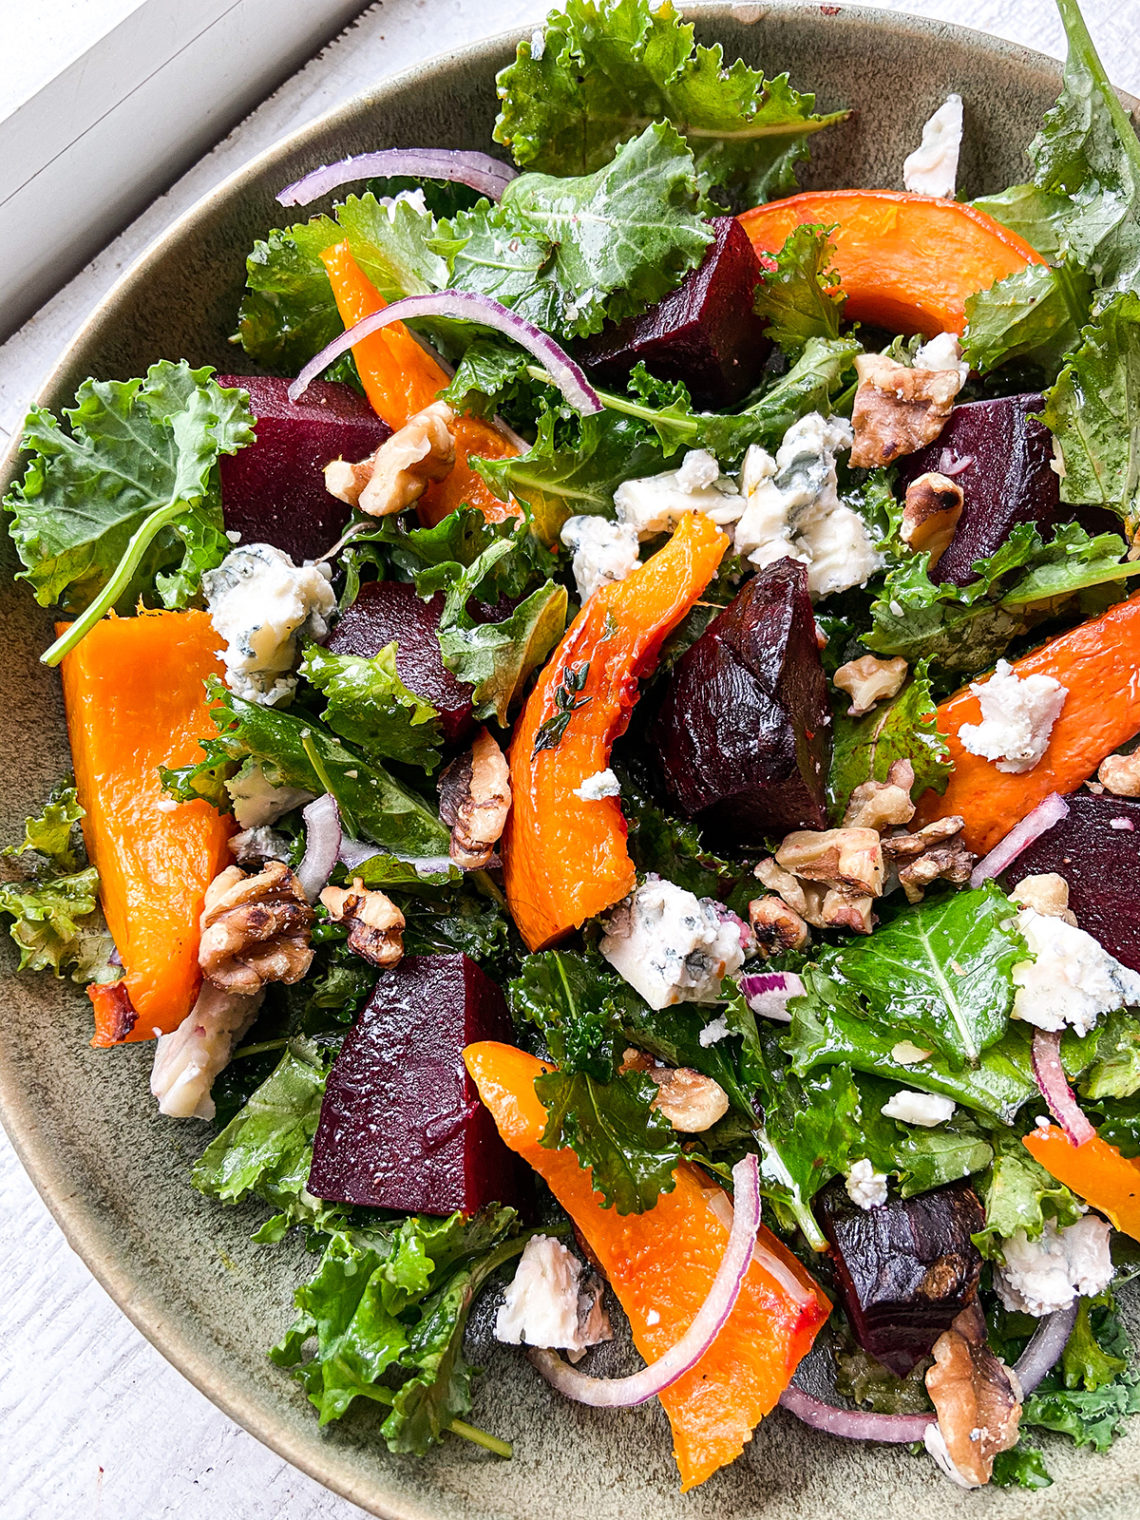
[
  {"x": 744, "y": 731},
  {"x": 401, "y": 1125},
  {"x": 387, "y": 610},
  {"x": 704, "y": 333},
  {"x": 1003, "y": 460},
  {"x": 273, "y": 491},
  {"x": 905, "y": 1269},
  {"x": 1099, "y": 856}
]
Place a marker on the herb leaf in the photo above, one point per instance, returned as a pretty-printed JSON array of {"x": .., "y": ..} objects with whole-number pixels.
[
  {"x": 567, "y": 254},
  {"x": 124, "y": 502},
  {"x": 604, "y": 70},
  {"x": 629, "y": 1147},
  {"x": 371, "y": 707},
  {"x": 800, "y": 298},
  {"x": 1092, "y": 413},
  {"x": 905, "y": 729}
]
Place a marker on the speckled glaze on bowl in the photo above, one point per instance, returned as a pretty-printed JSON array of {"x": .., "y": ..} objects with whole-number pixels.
[{"x": 115, "y": 1175}]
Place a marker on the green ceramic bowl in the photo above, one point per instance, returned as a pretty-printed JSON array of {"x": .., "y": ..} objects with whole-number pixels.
[{"x": 115, "y": 1175}]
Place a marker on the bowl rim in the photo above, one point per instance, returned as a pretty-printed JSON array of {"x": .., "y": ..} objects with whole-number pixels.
[{"x": 74, "y": 1214}]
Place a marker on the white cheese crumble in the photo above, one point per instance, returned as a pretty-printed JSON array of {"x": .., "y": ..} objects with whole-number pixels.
[
  {"x": 918, "y": 1108},
  {"x": 600, "y": 784},
  {"x": 716, "y": 1029},
  {"x": 656, "y": 503},
  {"x": 1039, "y": 1276},
  {"x": 1071, "y": 980},
  {"x": 547, "y": 1303},
  {"x": 865, "y": 1186},
  {"x": 603, "y": 552},
  {"x": 671, "y": 946},
  {"x": 943, "y": 353},
  {"x": 932, "y": 169},
  {"x": 262, "y": 605},
  {"x": 793, "y": 509},
  {"x": 1018, "y": 714},
  {"x": 257, "y": 801},
  {"x": 537, "y": 44}
]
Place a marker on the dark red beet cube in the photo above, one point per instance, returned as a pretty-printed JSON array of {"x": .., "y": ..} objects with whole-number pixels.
[
  {"x": 744, "y": 731},
  {"x": 401, "y": 1124},
  {"x": 1098, "y": 854},
  {"x": 273, "y": 491},
  {"x": 1003, "y": 460},
  {"x": 906, "y": 1269},
  {"x": 387, "y": 610},
  {"x": 704, "y": 333}
]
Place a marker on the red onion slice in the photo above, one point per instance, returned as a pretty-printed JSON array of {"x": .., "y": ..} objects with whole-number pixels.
[
  {"x": 624, "y": 1393},
  {"x": 853, "y": 1424},
  {"x": 768, "y": 993},
  {"x": 322, "y": 845},
  {"x": 465, "y": 306},
  {"x": 487, "y": 175},
  {"x": 1020, "y": 837},
  {"x": 1045, "y": 1346},
  {"x": 1038, "y": 1358},
  {"x": 1055, "y": 1089}
]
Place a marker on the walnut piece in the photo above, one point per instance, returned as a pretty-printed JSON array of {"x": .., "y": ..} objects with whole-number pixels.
[
  {"x": 846, "y": 858},
  {"x": 976, "y": 1396},
  {"x": 255, "y": 929},
  {"x": 1047, "y": 893},
  {"x": 777, "y": 927},
  {"x": 1121, "y": 774},
  {"x": 842, "y": 909},
  {"x": 868, "y": 680},
  {"x": 930, "y": 854},
  {"x": 375, "y": 924},
  {"x": 402, "y": 468},
  {"x": 933, "y": 507},
  {"x": 474, "y": 800},
  {"x": 897, "y": 409},
  {"x": 691, "y": 1102},
  {"x": 881, "y": 805}
]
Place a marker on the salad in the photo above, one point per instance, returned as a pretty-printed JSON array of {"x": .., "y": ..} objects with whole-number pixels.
[{"x": 605, "y": 761}]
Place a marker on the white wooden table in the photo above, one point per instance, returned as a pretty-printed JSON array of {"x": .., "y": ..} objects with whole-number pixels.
[{"x": 94, "y": 1422}]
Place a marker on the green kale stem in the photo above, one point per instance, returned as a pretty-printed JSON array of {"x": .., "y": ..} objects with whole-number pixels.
[
  {"x": 141, "y": 540},
  {"x": 481, "y": 1438}
]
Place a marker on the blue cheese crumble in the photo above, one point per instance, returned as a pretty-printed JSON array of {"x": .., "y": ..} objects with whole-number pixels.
[
  {"x": 670, "y": 945},
  {"x": 1071, "y": 980},
  {"x": 550, "y": 1302},
  {"x": 263, "y": 606},
  {"x": 1039, "y": 1276},
  {"x": 793, "y": 508}
]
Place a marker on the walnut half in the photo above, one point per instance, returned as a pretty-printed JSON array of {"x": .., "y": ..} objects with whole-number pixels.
[
  {"x": 930, "y": 854},
  {"x": 868, "y": 680},
  {"x": 402, "y": 468},
  {"x": 1121, "y": 774},
  {"x": 933, "y": 507},
  {"x": 474, "y": 800},
  {"x": 375, "y": 924},
  {"x": 897, "y": 409},
  {"x": 691, "y": 1102},
  {"x": 255, "y": 929},
  {"x": 977, "y": 1399}
]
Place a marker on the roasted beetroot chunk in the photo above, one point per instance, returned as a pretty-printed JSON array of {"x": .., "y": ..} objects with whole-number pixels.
[
  {"x": 744, "y": 731},
  {"x": 387, "y": 610},
  {"x": 905, "y": 1269},
  {"x": 401, "y": 1124},
  {"x": 273, "y": 491},
  {"x": 1003, "y": 460},
  {"x": 704, "y": 332},
  {"x": 1099, "y": 856}
]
